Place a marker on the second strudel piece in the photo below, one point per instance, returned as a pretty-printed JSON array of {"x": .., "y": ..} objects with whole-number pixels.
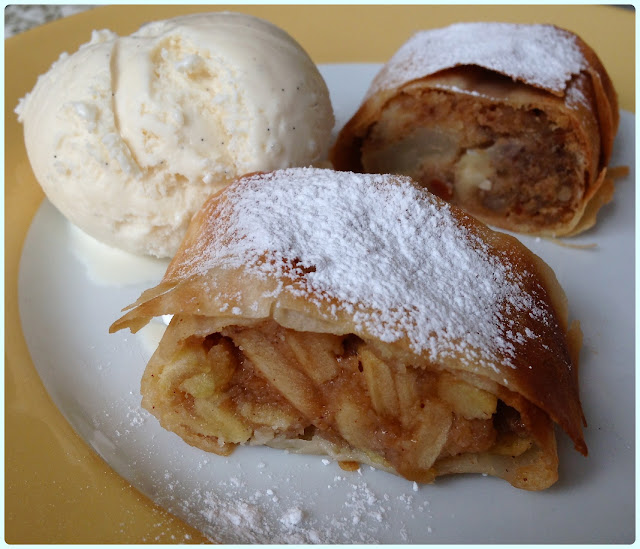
[
  {"x": 361, "y": 317},
  {"x": 514, "y": 123}
]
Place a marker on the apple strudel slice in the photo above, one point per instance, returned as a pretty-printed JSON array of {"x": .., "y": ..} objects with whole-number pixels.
[
  {"x": 360, "y": 317},
  {"x": 514, "y": 123}
]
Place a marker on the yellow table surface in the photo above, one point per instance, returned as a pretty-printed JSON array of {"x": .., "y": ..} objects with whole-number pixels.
[{"x": 57, "y": 490}]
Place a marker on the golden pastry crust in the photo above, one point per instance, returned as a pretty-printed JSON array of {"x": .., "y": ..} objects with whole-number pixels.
[
  {"x": 306, "y": 319},
  {"x": 522, "y": 144}
]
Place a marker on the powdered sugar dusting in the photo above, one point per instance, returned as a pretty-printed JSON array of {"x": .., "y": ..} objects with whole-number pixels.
[
  {"x": 575, "y": 98},
  {"x": 254, "y": 497},
  {"x": 391, "y": 254},
  {"x": 363, "y": 515},
  {"x": 540, "y": 55}
]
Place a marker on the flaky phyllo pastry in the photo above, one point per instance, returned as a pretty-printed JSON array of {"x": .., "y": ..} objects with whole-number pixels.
[
  {"x": 362, "y": 318},
  {"x": 514, "y": 123}
]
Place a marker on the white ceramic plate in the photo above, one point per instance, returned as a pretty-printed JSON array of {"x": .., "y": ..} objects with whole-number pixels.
[{"x": 267, "y": 496}]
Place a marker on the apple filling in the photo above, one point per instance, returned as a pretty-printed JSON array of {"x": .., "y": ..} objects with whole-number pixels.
[
  {"x": 495, "y": 160},
  {"x": 265, "y": 384}
]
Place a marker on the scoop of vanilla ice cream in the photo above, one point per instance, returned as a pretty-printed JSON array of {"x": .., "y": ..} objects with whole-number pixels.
[{"x": 129, "y": 135}]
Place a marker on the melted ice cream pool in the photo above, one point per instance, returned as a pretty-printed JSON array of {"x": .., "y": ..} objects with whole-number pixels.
[{"x": 107, "y": 266}]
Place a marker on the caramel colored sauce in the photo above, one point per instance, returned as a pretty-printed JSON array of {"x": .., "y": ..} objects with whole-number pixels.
[{"x": 350, "y": 466}]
